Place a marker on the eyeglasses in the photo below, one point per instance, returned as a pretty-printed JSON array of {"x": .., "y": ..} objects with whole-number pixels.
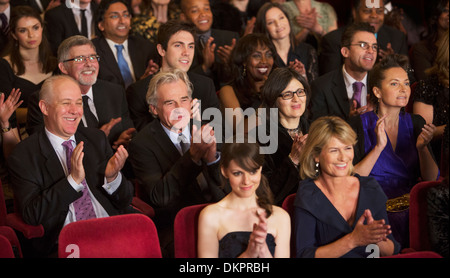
[
  {"x": 84, "y": 59},
  {"x": 366, "y": 46},
  {"x": 289, "y": 95}
]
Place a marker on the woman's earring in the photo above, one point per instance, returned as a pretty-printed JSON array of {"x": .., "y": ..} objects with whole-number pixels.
[
  {"x": 244, "y": 73},
  {"x": 317, "y": 169}
]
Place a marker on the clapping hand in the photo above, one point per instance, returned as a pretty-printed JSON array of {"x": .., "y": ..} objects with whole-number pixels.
[{"x": 8, "y": 106}]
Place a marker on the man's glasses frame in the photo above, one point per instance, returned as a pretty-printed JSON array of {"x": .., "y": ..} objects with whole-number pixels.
[
  {"x": 84, "y": 59},
  {"x": 366, "y": 46}
]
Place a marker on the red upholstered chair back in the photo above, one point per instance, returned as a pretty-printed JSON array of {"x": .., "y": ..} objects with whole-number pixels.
[
  {"x": 420, "y": 254},
  {"x": 6, "y": 250},
  {"x": 418, "y": 219},
  {"x": 120, "y": 236},
  {"x": 3, "y": 211},
  {"x": 13, "y": 246},
  {"x": 288, "y": 205},
  {"x": 186, "y": 231}
]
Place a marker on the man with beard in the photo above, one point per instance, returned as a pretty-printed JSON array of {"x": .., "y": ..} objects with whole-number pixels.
[
  {"x": 104, "y": 103},
  {"x": 343, "y": 92}
]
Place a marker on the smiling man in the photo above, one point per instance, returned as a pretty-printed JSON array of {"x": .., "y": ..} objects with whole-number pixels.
[
  {"x": 176, "y": 46},
  {"x": 173, "y": 169},
  {"x": 390, "y": 40},
  {"x": 64, "y": 173},
  {"x": 125, "y": 58},
  {"x": 105, "y": 102},
  {"x": 343, "y": 92}
]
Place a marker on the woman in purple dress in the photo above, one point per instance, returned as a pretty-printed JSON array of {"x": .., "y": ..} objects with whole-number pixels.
[{"x": 393, "y": 146}]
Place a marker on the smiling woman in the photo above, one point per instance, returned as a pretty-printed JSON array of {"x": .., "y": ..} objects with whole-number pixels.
[
  {"x": 244, "y": 223},
  {"x": 252, "y": 62}
]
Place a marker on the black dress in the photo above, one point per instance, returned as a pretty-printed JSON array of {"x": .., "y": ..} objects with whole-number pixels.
[
  {"x": 235, "y": 243},
  {"x": 306, "y": 54},
  {"x": 9, "y": 80}
]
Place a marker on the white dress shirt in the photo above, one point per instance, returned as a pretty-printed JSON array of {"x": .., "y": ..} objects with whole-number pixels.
[
  {"x": 348, "y": 80},
  {"x": 125, "y": 52},
  {"x": 88, "y": 13},
  {"x": 110, "y": 188},
  {"x": 91, "y": 104}
]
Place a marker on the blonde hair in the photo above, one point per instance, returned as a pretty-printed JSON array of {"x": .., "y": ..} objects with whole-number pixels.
[
  {"x": 440, "y": 67},
  {"x": 320, "y": 133},
  {"x": 165, "y": 77}
]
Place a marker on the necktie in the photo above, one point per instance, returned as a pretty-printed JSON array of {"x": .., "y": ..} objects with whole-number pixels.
[
  {"x": 357, "y": 87},
  {"x": 184, "y": 143},
  {"x": 83, "y": 206},
  {"x": 91, "y": 120},
  {"x": 5, "y": 24},
  {"x": 84, "y": 29},
  {"x": 123, "y": 66}
]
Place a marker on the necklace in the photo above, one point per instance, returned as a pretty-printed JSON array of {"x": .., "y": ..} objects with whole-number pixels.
[{"x": 292, "y": 131}]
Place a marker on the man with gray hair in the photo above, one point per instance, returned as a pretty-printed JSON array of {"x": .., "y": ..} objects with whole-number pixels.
[
  {"x": 105, "y": 105},
  {"x": 65, "y": 173},
  {"x": 175, "y": 163}
]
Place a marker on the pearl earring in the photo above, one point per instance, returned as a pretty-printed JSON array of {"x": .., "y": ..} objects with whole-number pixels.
[{"x": 317, "y": 169}]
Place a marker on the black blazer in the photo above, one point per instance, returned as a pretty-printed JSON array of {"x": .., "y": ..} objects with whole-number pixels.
[
  {"x": 60, "y": 24},
  {"x": 168, "y": 179},
  {"x": 329, "y": 96},
  {"x": 330, "y": 57},
  {"x": 219, "y": 73},
  {"x": 282, "y": 174},
  {"x": 109, "y": 100},
  {"x": 42, "y": 191},
  {"x": 141, "y": 52},
  {"x": 203, "y": 89}
]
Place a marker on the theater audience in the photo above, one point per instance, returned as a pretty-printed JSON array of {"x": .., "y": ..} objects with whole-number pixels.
[
  {"x": 273, "y": 21},
  {"x": 244, "y": 223},
  {"x": 393, "y": 146},
  {"x": 338, "y": 213},
  {"x": 287, "y": 91}
]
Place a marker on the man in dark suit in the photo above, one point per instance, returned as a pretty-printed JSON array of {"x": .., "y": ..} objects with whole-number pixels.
[
  {"x": 390, "y": 40},
  {"x": 176, "y": 46},
  {"x": 125, "y": 58},
  {"x": 67, "y": 19},
  {"x": 106, "y": 101},
  {"x": 213, "y": 46},
  {"x": 61, "y": 164},
  {"x": 343, "y": 92},
  {"x": 175, "y": 166}
]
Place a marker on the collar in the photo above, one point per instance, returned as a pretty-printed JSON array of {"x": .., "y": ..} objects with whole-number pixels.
[
  {"x": 57, "y": 141},
  {"x": 349, "y": 80},
  {"x": 174, "y": 135}
]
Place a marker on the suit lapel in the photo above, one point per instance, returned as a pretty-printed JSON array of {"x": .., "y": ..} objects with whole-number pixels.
[
  {"x": 52, "y": 162},
  {"x": 340, "y": 93},
  {"x": 163, "y": 140},
  {"x": 108, "y": 58},
  {"x": 68, "y": 14},
  {"x": 136, "y": 60}
]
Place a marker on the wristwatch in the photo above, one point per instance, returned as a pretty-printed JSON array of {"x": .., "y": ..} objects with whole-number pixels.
[{"x": 6, "y": 129}]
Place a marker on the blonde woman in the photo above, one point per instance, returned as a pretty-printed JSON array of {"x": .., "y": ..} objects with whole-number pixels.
[{"x": 337, "y": 213}]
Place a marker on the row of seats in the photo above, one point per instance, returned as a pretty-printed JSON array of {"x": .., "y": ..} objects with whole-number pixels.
[{"x": 135, "y": 235}]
